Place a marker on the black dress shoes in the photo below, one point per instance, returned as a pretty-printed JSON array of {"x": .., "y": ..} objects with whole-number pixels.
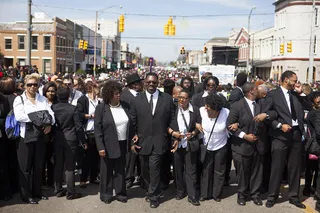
[
  {"x": 257, "y": 201},
  {"x": 61, "y": 193},
  {"x": 147, "y": 199},
  {"x": 154, "y": 204},
  {"x": 241, "y": 201},
  {"x": 42, "y": 197},
  {"x": 217, "y": 199},
  {"x": 29, "y": 200},
  {"x": 121, "y": 199},
  {"x": 297, "y": 203},
  {"x": 193, "y": 201},
  {"x": 107, "y": 201},
  {"x": 202, "y": 199},
  {"x": 270, "y": 203},
  {"x": 73, "y": 196},
  {"x": 129, "y": 185},
  {"x": 180, "y": 197}
]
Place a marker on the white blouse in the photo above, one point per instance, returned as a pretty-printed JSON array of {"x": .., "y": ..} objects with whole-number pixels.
[
  {"x": 121, "y": 121},
  {"x": 92, "y": 108},
  {"x": 21, "y": 110},
  {"x": 220, "y": 133}
]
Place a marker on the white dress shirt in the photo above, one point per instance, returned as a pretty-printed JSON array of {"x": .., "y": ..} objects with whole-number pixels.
[
  {"x": 287, "y": 96},
  {"x": 154, "y": 98},
  {"x": 92, "y": 108},
  {"x": 121, "y": 121},
  {"x": 133, "y": 92},
  {"x": 181, "y": 124},
  {"x": 21, "y": 110},
  {"x": 220, "y": 134},
  {"x": 251, "y": 106},
  {"x": 75, "y": 95}
]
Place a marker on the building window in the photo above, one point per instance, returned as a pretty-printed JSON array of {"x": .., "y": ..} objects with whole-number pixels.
[
  {"x": 47, "y": 66},
  {"x": 8, "y": 44},
  {"x": 316, "y": 16},
  {"x": 21, "y": 42},
  {"x": 47, "y": 42},
  {"x": 34, "y": 44}
]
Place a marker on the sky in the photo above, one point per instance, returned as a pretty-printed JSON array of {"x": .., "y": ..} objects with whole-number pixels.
[{"x": 191, "y": 32}]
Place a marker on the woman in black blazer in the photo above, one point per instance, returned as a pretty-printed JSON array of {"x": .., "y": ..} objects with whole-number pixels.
[
  {"x": 89, "y": 158},
  {"x": 185, "y": 161},
  {"x": 113, "y": 131}
]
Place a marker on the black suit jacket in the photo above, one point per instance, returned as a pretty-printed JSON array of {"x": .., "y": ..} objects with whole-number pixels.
[
  {"x": 235, "y": 95},
  {"x": 276, "y": 101},
  {"x": 199, "y": 88},
  {"x": 127, "y": 96},
  {"x": 240, "y": 113},
  {"x": 4, "y": 110},
  {"x": 194, "y": 119},
  {"x": 83, "y": 108},
  {"x": 199, "y": 101},
  {"x": 105, "y": 130},
  {"x": 68, "y": 126},
  {"x": 152, "y": 129},
  {"x": 313, "y": 121}
]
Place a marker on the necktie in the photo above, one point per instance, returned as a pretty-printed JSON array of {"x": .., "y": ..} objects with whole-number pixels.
[
  {"x": 293, "y": 111},
  {"x": 151, "y": 103},
  {"x": 254, "y": 108},
  {"x": 137, "y": 94}
]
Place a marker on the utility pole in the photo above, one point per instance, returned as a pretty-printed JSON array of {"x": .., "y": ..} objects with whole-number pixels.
[
  {"x": 249, "y": 43},
  {"x": 29, "y": 33},
  {"x": 95, "y": 45},
  {"x": 311, "y": 49}
]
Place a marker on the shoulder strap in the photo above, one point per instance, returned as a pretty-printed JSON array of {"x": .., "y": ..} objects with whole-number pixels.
[
  {"x": 22, "y": 100},
  {"x": 184, "y": 120},
  {"x": 213, "y": 127}
]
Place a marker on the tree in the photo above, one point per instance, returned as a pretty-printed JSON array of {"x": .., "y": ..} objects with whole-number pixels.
[{"x": 81, "y": 72}]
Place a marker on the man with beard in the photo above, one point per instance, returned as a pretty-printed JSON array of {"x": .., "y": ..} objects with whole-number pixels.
[
  {"x": 187, "y": 84},
  {"x": 151, "y": 114}
]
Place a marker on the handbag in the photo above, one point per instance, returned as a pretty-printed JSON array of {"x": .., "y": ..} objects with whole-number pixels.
[
  {"x": 193, "y": 143},
  {"x": 203, "y": 148},
  {"x": 312, "y": 146}
]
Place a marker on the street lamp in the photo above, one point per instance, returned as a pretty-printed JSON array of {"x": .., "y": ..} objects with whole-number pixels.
[
  {"x": 95, "y": 36},
  {"x": 249, "y": 42}
]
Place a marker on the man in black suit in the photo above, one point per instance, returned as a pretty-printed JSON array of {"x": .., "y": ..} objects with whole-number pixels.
[
  {"x": 237, "y": 93},
  {"x": 248, "y": 145},
  {"x": 287, "y": 130},
  {"x": 151, "y": 114},
  {"x": 133, "y": 89}
]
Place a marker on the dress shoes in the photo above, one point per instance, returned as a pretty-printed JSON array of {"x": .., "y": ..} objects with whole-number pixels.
[
  {"x": 107, "y": 201},
  {"x": 29, "y": 200},
  {"x": 193, "y": 201},
  {"x": 202, "y": 199},
  {"x": 217, "y": 199},
  {"x": 154, "y": 204},
  {"x": 95, "y": 182},
  {"x": 147, "y": 199},
  {"x": 270, "y": 203},
  {"x": 241, "y": 201},
  {"x": 121, "y": 199},
  {"x": 129, "y": 185},
  {"x": 73, "y": 196},
  {"x": 61, "y": 193},
  {"x": 257, "y": 201},
  {"x": 297, "y": 203},
  {"x": 42, "y": 197},
  {"x": 180, "y": 197},
  {"x": 83, "y": 185}
]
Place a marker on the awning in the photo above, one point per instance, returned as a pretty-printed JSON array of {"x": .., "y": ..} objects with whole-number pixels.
[{"x": 262, "y": 63}]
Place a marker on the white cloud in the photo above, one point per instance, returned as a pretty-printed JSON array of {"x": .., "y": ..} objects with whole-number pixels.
[{"x": 243, "y": 4}]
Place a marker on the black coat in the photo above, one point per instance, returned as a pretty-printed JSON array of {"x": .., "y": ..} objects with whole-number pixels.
[
  {"x": 313, "y": 121},
  {"x": 240, "y": 113},
  {"x": 127, "y": 96},
  {"x": 4, "y": 110},
  {"x": 152, "y": 129},
  {"x": 83, "y": 109},
  {"x": 194, "y": 119},
  {"x": 68, "y": 125},
  {"x": 235, "y": 95},
  {"x": 105, "y": 130},
  {"x": 276, "y": 101}
]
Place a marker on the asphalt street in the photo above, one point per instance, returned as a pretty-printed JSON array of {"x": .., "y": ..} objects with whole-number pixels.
[{"x": 136, "y": 203}]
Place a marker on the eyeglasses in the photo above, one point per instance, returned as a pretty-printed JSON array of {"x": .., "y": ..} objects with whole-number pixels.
[
  {"x": 34, "y": 84},
  {"x": 151, "y": 82},
  {"x": 183, "y": 98},
  {"x": 211, "y": 85}
]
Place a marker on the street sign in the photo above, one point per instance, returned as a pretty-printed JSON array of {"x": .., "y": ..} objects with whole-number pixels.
[
  {"x": 119, "y": 65},
  {"x": 108, "y": 65}
]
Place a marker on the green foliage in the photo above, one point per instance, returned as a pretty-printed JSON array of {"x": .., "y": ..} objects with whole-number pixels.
[{"x": 81, "y": 72}]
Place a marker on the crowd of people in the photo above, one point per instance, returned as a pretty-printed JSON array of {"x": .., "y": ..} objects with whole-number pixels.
[{"x": 153, "y": 127}]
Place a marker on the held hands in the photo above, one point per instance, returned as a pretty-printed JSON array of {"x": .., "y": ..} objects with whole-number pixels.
[
  {"x": 286, "y": 128},
  {"x": 175, "y": 146},
  {"x": 134, "y": 147},
  {"x": 233, "y": 127},
  {"x": 102, "y": 153},
  {"x": 85, "y": 146},
  {"x": 261, "y": 117},
  {"x": 178, "y": 135},
  {"x": 46, "y": 130},
  {"x": 250, "y": 137},
  {"x": 199, "y": 127}
]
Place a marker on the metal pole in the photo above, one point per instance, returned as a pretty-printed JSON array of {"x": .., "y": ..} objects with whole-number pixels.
[
  {"x": 74, "y": 49},
  {"x": 249, "y": 42},
  {"x": 95, "y": 46},
  {"x": 311, "y": 49},
  {"x": 29, "y": 35}
]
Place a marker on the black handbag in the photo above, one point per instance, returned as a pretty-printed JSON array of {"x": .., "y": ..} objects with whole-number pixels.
[
  {"x": 312, "y": 146},
  {"x": 40, "y": 118},
  {"x": 203, "y": 148},
  {"x": 193, "y": 143}
]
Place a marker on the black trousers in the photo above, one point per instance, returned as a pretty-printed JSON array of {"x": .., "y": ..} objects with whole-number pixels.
[
  {"x": 31, "y": 160},
  {"x": 132, "y": 162},
  {"x": 311, "y": 173},
  {"x": 65, "y": 157},
  {"x": 249, "y": 172},
  {"x": 166, "y": 174},
  {"x": 286, "y": 152},
  {"x": 267, "y": 159},
  {"x": 112, "y": 173},
  {"x": 229, "y": 161},
  {"x": 317, "y": 196},
  {"x": 185, "y": 172},
  {"x": 5, "y": 181},
  {"x": 213, "y": 173},
  {"x": 90, "y": 164},
  {"x": 48, "y": 163},
  {"x": 151, "y": 173}
]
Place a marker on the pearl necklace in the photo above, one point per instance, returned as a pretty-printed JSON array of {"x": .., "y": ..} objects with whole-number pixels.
[{"x": 114, "y": 106}]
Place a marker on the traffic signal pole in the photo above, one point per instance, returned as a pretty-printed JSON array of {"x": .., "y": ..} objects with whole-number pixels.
[
  {"x": 29, "y": 35},
  {"x": 95, "y": 46},
  {"x": 311, "y": 49}
]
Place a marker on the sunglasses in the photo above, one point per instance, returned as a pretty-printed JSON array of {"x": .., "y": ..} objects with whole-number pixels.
[
  {"x": 30, "y": 85},
  {"x": 211, "y": 85},
  {"x": 152, "y": 82},
  {"x": 68, "y": 84}
]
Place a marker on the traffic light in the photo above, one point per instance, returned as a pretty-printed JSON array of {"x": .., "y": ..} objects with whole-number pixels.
[
  {"x": 85, "y": 45},
  {"x": 205, "y": 49},
  {"x": 282, "y": 49},
  {"x": 166, "y": 29},
  {"x": 182, "y": 51},
  {"x": 80, "y": 46},
  {"x": 289, "y": 47},
  {"x": 172, "y": 30},
  {"x": 121, "y": 24}
]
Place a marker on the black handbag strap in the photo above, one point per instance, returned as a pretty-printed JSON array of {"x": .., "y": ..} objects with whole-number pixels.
[
  {"x": 213, "y": 127},
  {"x": 184, "y": 120}
]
